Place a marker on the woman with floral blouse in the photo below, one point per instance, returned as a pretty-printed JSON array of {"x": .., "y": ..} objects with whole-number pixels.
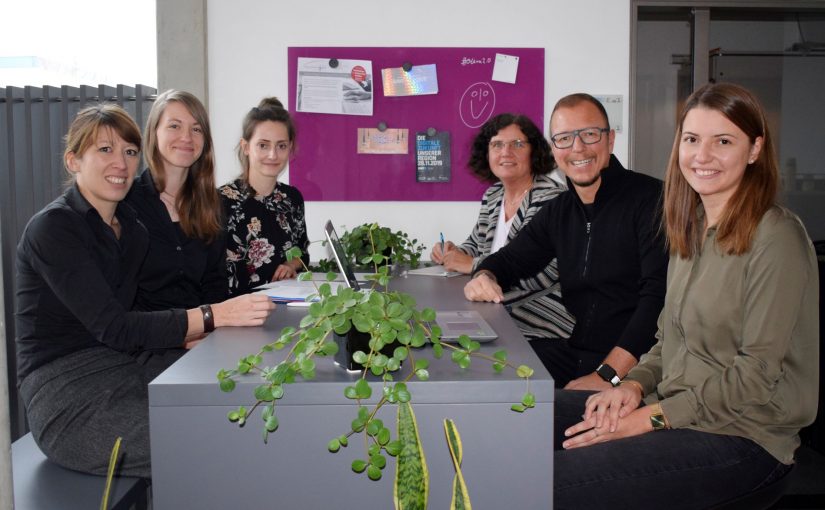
[{"x": 264, "y": 217}]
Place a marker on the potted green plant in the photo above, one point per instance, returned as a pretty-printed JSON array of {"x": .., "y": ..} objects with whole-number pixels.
[
  {"x": 389, "y": 319},
  {"x": 362, "y": 241}
]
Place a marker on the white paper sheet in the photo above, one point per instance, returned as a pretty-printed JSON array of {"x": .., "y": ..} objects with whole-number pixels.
[{"x": 344, "y": 90}]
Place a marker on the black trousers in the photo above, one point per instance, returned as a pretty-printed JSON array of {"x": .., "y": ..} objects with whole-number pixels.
[{"x": 564, "y": 362}]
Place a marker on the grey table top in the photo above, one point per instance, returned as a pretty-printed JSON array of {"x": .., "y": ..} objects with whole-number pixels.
[{"x": 192, "y": 380}]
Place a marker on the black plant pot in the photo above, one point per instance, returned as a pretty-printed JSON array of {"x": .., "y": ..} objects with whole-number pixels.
[{"x": 354, "y": 341}]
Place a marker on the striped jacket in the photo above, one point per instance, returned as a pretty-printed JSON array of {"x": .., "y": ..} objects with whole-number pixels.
[{"x": 535, "y": 302}]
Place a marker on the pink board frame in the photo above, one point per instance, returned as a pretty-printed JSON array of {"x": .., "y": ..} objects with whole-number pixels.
[{"x": 326, "y": 167}]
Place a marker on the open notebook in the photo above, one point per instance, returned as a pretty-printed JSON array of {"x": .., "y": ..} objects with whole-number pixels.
[{"x": 288, "y": 291}]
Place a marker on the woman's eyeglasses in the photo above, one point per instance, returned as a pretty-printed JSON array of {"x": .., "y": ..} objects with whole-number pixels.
[{"x": 515, "y": 145}]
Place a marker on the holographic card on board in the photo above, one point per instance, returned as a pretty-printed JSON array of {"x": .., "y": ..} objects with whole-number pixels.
[{"x": 418, "y": 81}]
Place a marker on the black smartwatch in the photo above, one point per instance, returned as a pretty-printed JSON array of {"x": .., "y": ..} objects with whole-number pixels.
[{"x": 607, "y": 373}]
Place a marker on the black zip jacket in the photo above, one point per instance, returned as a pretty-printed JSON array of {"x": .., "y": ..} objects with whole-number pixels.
[{"x": 612, "y": 268}]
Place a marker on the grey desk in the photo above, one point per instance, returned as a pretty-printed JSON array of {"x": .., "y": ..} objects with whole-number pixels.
[{"x": 200, "y": 460}]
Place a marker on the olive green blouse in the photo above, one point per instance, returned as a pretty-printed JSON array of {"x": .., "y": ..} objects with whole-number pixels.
[{"x": 738, "y": 339}]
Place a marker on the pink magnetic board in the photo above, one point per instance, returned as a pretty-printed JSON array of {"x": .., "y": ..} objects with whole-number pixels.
[{"x": 326, "y": 166}]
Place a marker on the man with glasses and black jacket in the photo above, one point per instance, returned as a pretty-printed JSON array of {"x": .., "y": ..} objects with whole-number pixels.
[{"x": 605, "y": 233}]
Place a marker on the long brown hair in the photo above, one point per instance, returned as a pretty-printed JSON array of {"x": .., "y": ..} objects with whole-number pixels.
[
  {"x": 198, "y": 202},
  {"x": 269, "y": 109},
  {"x": 753, "y": 197}
]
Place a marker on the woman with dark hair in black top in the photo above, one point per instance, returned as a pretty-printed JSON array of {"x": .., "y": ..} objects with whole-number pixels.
[{"x": 84, "y": 359}]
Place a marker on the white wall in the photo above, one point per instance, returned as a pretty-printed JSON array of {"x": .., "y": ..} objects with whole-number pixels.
[{"x": 586, "y": 48}]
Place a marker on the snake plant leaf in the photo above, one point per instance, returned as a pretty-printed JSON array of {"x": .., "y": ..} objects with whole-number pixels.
[
  {"x": 412, "y": 479},
  {"x": 104, "y": 503},
  {"x": 461, "y": 498}
]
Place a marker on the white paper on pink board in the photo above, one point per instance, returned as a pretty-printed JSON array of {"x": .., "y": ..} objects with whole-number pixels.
[{"x": 505, "y": 68}]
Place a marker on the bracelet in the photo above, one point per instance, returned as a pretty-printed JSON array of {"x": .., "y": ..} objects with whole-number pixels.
[
  {"x": 208, "y": 318},
  {"x": 658, "y": 420},
  {"x": 635, "y": 384}
]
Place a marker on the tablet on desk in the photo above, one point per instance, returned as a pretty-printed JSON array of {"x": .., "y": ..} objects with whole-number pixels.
[{"x": 453, "y": 324}]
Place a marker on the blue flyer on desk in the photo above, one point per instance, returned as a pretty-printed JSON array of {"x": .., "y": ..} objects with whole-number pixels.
[{"x": 432, "y": 157}]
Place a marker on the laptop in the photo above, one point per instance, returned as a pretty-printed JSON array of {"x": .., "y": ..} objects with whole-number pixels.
[{"x": 344, "y": 265}]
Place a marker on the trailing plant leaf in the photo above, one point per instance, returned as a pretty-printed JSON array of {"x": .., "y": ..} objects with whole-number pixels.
[
  {"x": 461, "y": 498},
  {"x": 374, "y": 472},
  {"x": 227, "y": 385},
  {"x": 359, "y": 465},
  {"x": 524, "y": 371},
  {"x": 412, "y": 478},
  {"x": 378, "y": 461},
  {"x": 334, "y": 445},
  {"x": 363, "y": 389},
  {"x": 528, "y": 400}
]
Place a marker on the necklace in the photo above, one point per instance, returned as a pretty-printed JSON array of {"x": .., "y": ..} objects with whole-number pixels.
[
  {"x": 171, "y": 205},
  {"x": 510, "y": 208},
  {"x": 519, "y": 196}
]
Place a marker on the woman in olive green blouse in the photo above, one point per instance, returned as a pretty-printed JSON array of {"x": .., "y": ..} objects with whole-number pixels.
[{"x": 733, "y": 376}]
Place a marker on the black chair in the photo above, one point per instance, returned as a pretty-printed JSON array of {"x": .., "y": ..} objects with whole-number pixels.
[
  {"x": 814, "y": 434},
  {"x": 762, "y": 498}
]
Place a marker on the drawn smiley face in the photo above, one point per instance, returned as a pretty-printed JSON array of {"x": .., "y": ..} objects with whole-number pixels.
[{"x": 477, "y": 104}]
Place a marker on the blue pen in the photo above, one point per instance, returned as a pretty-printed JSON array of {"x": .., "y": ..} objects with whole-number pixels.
[{"x": 442, "y": 243}]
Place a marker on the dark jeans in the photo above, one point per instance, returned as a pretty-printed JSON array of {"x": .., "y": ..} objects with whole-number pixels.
[
  {"x": 564, "y": 362},
  {"x": 673, "y": 469}
]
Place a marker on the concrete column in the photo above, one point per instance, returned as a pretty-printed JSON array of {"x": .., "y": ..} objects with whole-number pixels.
[
  {"x": 701, "y": 46},
  {"x": 182, "y": 47}
]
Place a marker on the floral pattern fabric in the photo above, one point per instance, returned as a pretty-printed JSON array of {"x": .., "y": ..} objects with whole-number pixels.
[{"x": 260, "y": 229}]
